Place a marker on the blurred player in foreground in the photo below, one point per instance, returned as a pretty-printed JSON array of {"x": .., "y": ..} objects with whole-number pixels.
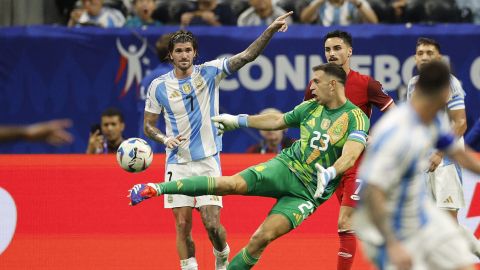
[
  {"x": 188, "y": 98},
  {"x": 397, "y": 222},
  {"x": 333, "y": 135}
]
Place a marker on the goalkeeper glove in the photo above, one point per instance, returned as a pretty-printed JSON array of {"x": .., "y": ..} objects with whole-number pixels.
[
  {"x": 227, "y": 122},
  {"x": 323, "y": 177}
]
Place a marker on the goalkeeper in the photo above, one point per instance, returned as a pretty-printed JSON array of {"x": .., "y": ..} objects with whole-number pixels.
[{"x": 333, "y": 135}]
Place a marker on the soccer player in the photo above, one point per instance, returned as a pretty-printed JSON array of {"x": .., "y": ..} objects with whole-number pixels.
[
  {"x": 444, "y": 176},
  {"x": 398, "y": 224},
  {"x": 365, "y": 92},
  {"x": 188, "y": 98},
  {"x": 333, "y": 135}
]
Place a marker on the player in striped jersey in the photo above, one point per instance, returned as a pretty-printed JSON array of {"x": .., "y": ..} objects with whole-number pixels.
[
  {"x": 444, "y": 176},
  {"x": 188, "y": 97},
  {"x": 397, "y": 222},
  {"x": 333, "y": 134}
]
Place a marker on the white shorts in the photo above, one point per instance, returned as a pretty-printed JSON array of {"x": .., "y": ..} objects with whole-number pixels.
[
  {"x": 445, "y": 187},
  {"x": 209, "y": 166},
  {"x": 440, "y": 245}
]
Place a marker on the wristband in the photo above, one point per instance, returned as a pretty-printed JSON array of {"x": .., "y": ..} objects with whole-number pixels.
[
  {"x": 243, "y": 120},
  {"x": 330, "y": 172}
]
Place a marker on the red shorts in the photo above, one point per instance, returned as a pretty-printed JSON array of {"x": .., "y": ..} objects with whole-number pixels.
[{"x": 349, "y": 187}]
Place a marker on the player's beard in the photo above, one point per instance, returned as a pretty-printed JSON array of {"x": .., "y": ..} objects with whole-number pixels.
[{"x": 184, "y": 67}]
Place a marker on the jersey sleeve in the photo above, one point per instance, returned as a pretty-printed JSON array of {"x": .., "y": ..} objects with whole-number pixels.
[
  {"x": 151, "y": 102},
  {"x": 359, "y": 125},
  {"x": 457, "y": 99},
  {"x": 377, "y": 96},
  {"x": 294, "y": 117},
  {"x": 219, "y": 67},
  {"x": 385, "y": 162}
]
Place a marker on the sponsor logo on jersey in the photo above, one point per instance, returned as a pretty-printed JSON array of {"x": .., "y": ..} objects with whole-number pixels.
[
  {"x": 174, "y": 95},
  {"x": 170, "y": 199},
  {"x": 355, "y": 197},
  {"x": 448, "y": 200},
  {"x": 179, "y": 185},
  {"x": 298, "y": 217}
]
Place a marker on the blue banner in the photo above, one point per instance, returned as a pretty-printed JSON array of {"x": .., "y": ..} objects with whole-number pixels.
[{"x": 56, "y": 72}]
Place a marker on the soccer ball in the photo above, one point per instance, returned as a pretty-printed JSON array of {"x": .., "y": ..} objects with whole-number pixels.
[{"x": 134, "y": 155}]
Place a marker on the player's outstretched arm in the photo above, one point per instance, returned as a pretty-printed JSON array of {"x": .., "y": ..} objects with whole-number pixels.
[
  {"x": 150, "y": 129},
  {"x": 237, "y": 61},
  {"x": 267, "y": 121}
]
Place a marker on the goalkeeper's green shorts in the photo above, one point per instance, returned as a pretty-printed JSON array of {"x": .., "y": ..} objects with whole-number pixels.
[{"x": 274, "y": 179}]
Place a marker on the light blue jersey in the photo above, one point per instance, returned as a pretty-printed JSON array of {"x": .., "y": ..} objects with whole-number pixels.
[
  {"x": 456, "y": 101},
  {"x": 396, "y": 161},
  {"x": 187, "y": 105},
  {"x": 457, "y": 94}
]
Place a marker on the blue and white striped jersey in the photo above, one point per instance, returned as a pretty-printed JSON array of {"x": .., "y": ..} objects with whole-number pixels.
[
  {"x": 346, "y": 14},
  {"x": 455, "y": 102},
  {"x": 187, "y": 105},
  {"x": 457, "y": 94},
  {"x": 396, "y": 161}
]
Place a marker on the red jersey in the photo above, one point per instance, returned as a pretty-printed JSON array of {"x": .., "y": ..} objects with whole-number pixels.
[{"x": 363, "y": 91}]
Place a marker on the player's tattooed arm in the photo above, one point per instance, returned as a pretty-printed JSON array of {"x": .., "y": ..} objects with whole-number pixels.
[
  {"x": 237, "y": 61},
  {"x": 150, "y": 129}
]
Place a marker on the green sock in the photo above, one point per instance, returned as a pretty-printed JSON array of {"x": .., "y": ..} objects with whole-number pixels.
[
  {"x": 191, "y": 186},
  {"x": 242, "y": 261}
]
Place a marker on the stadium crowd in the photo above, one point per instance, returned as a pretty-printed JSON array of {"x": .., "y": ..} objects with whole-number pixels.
[{"x": 135, "y": 13}]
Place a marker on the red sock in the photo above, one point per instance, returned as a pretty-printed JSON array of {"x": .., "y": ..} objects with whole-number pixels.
[{"x": 346, "y": 252}]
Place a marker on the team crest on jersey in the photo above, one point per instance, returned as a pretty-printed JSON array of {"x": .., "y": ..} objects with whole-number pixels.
[
  {"x": 311, "y": 122},
  {"x": 186, "y": 88},
  {"x": 325, "y": 124}
]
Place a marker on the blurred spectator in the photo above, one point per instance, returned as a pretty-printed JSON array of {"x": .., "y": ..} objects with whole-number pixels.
[
  {"x": 209, "y": 12},
  {"x": 273, "y": 141},
  {"x": 143, "y": 14},
  {"x": 107, "y": 136},
  {"x": 472, "y": 138},
  {"x": 390, "y": 11},
  {"x": 161, "y": 48},
  {"x": 338, "y": 12},
  {"x": 28, "y": 12},
  {"x": 52, "y": 132},
  {"x": 92, "y": 12},
  {"x": 261, "y": 12},
  {"x": 472, "y": 7}
]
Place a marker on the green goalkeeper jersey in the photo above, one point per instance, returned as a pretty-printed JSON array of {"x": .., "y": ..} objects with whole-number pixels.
[{"x": 323, "y": 132}]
